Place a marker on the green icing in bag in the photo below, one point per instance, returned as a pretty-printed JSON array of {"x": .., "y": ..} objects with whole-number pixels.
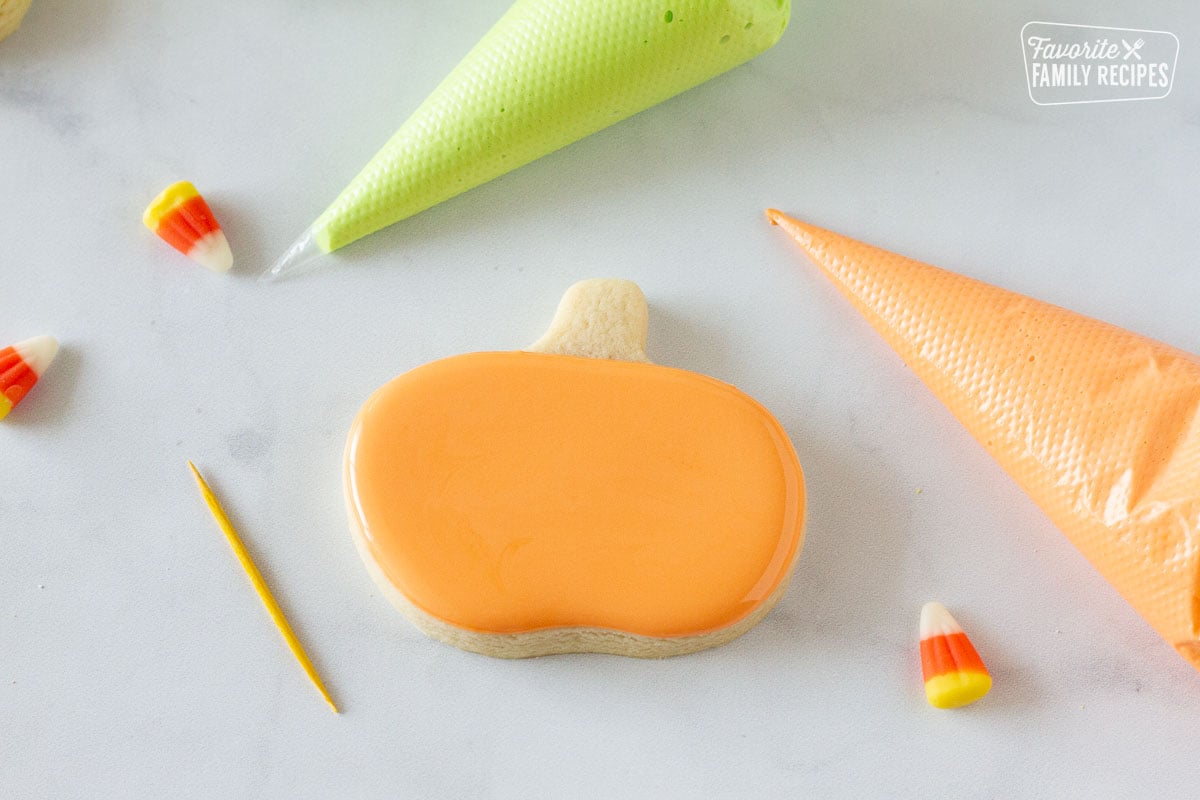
[{"x": 548, "y": 73}]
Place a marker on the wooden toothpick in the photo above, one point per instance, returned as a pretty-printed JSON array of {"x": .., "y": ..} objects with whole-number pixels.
[{"x": 260, "y": 586}]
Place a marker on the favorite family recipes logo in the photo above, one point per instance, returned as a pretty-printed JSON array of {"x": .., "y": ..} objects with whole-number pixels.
[{"x": 1088, "y": 64}]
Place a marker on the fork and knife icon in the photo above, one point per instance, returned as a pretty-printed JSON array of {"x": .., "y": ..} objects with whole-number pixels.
[{"x": 1132, "y": 49}]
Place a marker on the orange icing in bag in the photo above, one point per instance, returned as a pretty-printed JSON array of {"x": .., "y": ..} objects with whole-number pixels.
[
  {"x": 549, "y": 73},
  {"x": 1097, "y": 424},
  {"x": 511, "y": 492}
]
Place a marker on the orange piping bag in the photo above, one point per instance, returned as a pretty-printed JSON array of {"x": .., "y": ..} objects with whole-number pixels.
[{"x": 1099, "y": 425}]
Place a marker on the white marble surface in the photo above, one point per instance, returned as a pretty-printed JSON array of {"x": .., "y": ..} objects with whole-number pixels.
[{"x": 134, "y": 659}]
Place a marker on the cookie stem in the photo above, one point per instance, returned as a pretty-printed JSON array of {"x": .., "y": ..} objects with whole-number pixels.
[{"x": 599, "y": 318}]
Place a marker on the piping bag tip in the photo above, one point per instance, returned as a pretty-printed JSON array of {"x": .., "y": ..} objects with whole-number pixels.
[
  {"x": 802, "y": 232},
  {"x": 300, "y": 257}
]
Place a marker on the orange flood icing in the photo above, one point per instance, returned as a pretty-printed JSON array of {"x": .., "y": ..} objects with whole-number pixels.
[{"x": 511, "y": 492}]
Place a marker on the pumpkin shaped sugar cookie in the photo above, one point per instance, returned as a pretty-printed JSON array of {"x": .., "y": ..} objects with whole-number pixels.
[{"x": 574, "y": 497}]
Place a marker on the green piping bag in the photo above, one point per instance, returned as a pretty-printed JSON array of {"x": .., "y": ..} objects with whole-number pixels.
[{"x": 549, "y": 73}]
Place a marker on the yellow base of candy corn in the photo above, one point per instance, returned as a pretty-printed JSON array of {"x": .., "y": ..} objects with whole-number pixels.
[
  {"x": 5, "y": 406},
  {"x": 11, "y": 14},
  {"x": 957, "y": 689},
  {"x": 167, "y": 199}
]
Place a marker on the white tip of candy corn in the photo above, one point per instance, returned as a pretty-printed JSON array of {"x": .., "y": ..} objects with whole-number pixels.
[
  {"x": 37, "y": 352},
  {"x": 298, "y": 258},
  {"x": 212, "y": 251},
  {"x": 936, "y": 621}
]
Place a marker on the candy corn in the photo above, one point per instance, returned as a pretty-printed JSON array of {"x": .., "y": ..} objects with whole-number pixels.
[
  {"x": 183, "y": 220},
  {"x": 953, "y": 672},
  {"x": 1100, "y": 426},
  {"x": 547, "y": 74},
  {"x": 20, "y": 368}
]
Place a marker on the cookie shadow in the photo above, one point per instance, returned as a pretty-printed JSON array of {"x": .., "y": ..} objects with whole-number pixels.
[
  {"x": 687, "y": 341},
  {"x": 849, "y": 581}
]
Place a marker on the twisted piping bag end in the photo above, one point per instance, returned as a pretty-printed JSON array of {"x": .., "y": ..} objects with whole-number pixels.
[{"x": 300, "y": 257}]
